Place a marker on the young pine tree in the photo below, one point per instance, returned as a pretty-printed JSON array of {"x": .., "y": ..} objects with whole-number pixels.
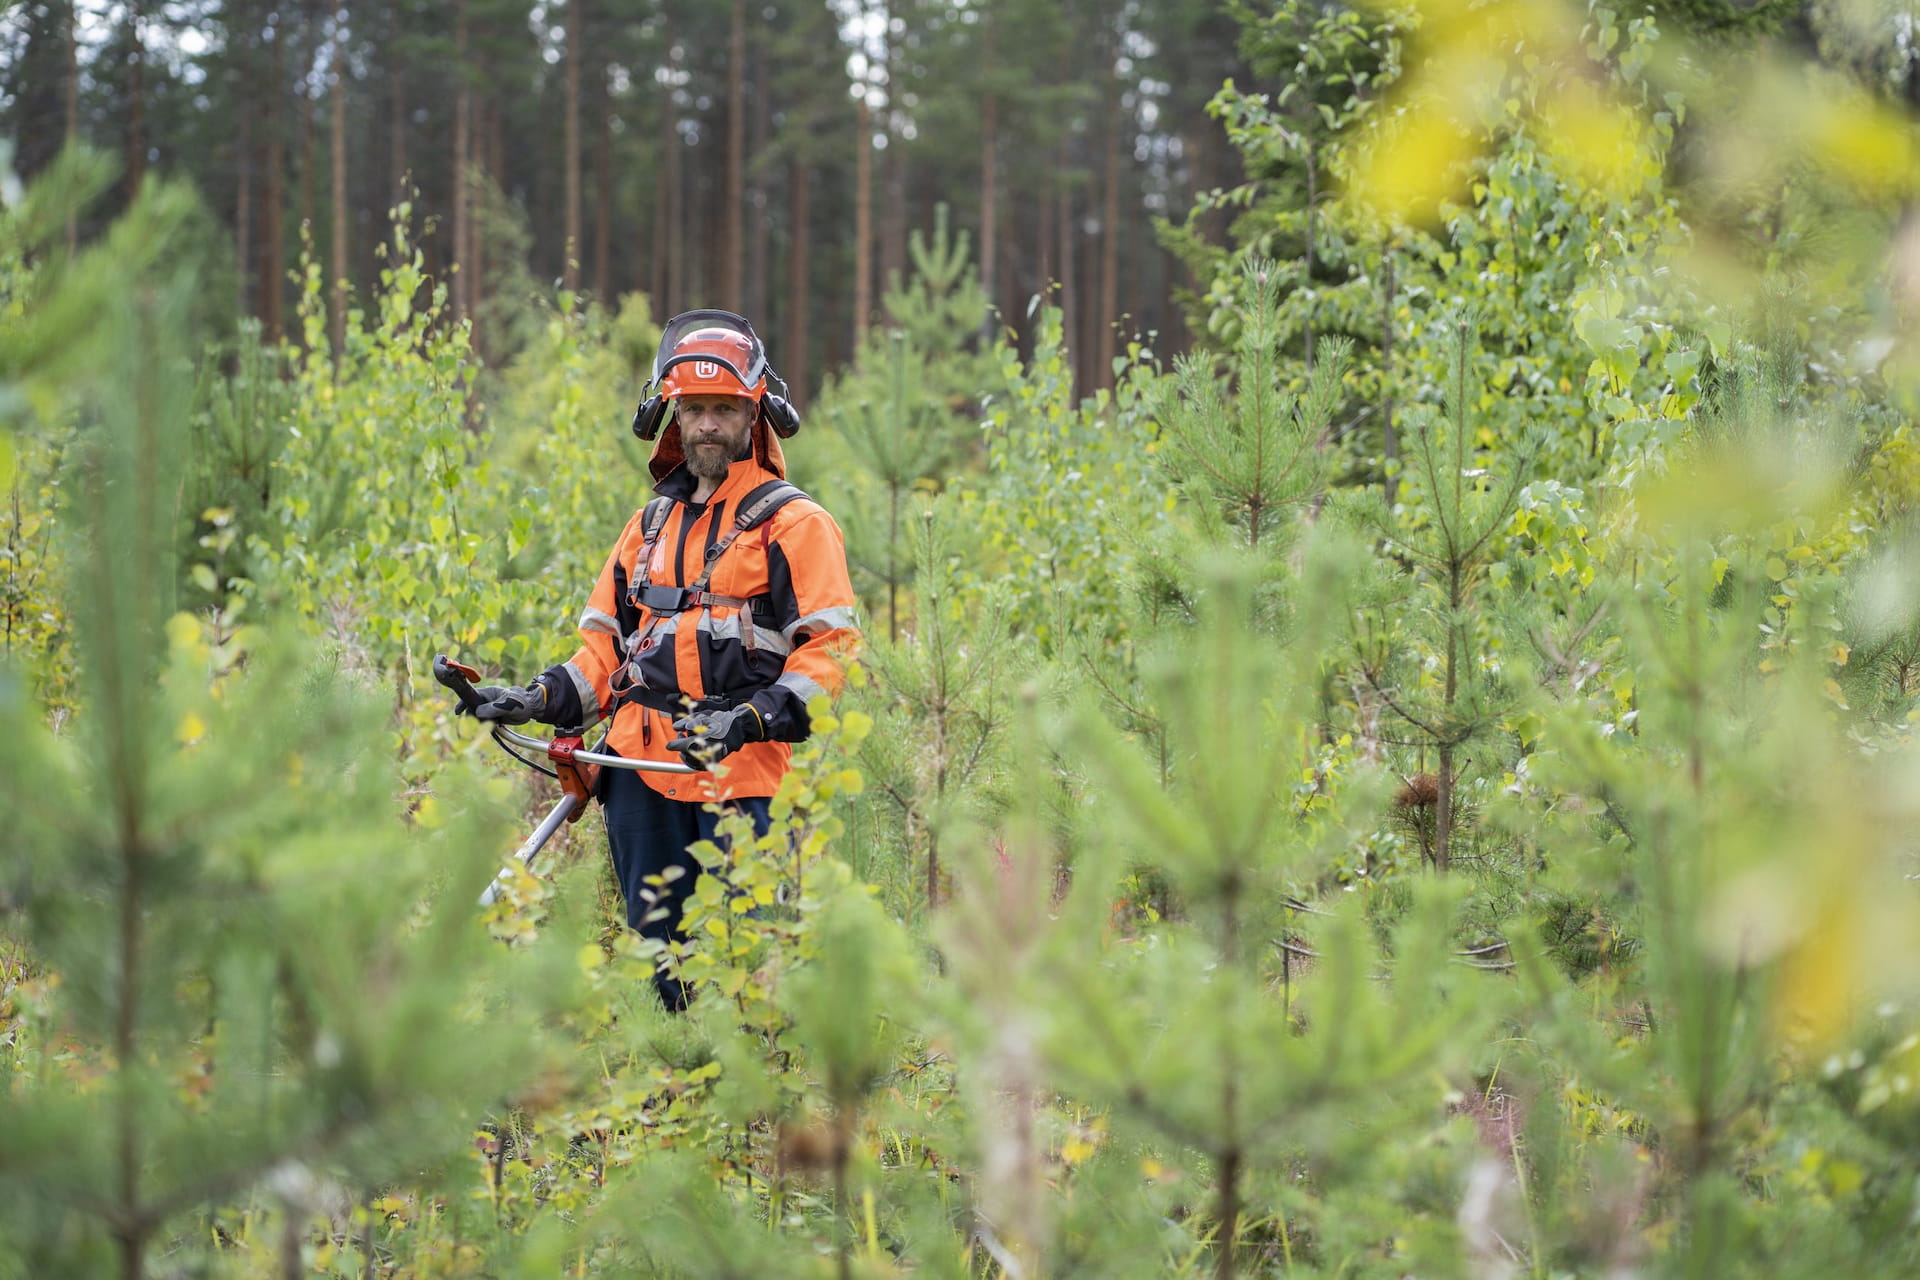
[
  {"x": 1182, "y": 1035},
  {"x": 257, "y": 981},
  {"x": 1428, "y": 648}
]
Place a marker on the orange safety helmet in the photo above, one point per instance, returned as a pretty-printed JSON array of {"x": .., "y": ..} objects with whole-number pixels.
[{"x": 712, "y": 353}]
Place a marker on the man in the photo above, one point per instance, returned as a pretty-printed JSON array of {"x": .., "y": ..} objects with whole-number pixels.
[{"x": 723, "y": 609}]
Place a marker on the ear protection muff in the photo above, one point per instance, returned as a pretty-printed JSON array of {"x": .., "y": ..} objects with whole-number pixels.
[
  {"x": 780, "y": 415},
  {"x": 779, "y": 412},
  {"x": 650, "y": 416}
]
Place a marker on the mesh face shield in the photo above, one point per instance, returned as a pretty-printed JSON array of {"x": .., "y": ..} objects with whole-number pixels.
[{"x": 710, "y": 353}]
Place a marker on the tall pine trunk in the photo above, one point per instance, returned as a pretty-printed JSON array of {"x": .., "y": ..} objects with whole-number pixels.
[
  {"x": 893, "y": 220},
  {"x": 1069, "y": 299},
  {"x": 570, "y": 268},
  {"x": 1108, "y": 317},
  {"x": 243, "y": 165},
  {"x": 736, "y": 194},
  {"x": 338, "y": 331},
  {"x": 397, "y": 132},
  {"x": 273, "y": 231},
  {"x": 462, "y": 143},
  {"x": 73, "y": 114},
  {"x": 309, "y": 51},
  {"x": 603, "y": 195},
  {"x": 761, "y": 127},
  {"x": 673, "y": 198},
  {"x": 799, "y": 268},
  {"x": 989, "y": 174},
  {"x": 136, "y": 104},
  {"x": 862, "y": 223}
]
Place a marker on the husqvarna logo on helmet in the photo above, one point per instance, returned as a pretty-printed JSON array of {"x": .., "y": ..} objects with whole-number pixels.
[{"x": 705, "y": 369}]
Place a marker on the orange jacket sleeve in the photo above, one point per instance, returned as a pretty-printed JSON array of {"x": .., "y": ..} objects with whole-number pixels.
[{"x": 814, "y": 602}]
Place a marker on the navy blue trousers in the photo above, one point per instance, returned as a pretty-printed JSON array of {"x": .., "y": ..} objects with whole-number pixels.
[{"x": 647, "y": 833}]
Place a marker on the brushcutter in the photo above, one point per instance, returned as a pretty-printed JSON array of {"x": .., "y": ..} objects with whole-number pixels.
[{"x": 575, "y": 769}]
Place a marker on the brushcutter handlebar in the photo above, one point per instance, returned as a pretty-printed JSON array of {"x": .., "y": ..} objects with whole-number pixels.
[
  {"x": 458, "y": 677},
  {"x": 573, "y": 766},
  {"x": 563, "y": 749}
]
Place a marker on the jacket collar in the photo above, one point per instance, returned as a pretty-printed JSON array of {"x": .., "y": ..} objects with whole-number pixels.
[{"x": 742, "y": 477}]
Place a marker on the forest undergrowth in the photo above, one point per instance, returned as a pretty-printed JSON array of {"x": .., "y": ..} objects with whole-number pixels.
[{"x": 1424, "y": 784}]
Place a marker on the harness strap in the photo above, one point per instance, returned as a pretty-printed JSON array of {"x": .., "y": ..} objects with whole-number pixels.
[
  {"x": 653, "y": 519},
  {"x": 755, "y": 509}
]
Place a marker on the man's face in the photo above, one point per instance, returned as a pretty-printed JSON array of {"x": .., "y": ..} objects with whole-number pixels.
[{"x": 715, "y": 431}]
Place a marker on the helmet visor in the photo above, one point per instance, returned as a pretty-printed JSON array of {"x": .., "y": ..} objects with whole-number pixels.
[{"x": 708, "y": 350}]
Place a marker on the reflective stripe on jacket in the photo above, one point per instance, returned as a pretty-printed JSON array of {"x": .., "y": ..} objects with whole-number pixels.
[{"x": 792, "y": 572}]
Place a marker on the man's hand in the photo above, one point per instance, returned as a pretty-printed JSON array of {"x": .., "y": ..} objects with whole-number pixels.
[
  {"x": 707, "y": 737},
  {"x": 508, "y": 704}
]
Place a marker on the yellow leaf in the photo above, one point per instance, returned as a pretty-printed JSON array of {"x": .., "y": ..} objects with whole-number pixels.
[
  {"x": 1866, "y": 144},
  {"x": 1412, "y": 163},
  {"x": 1844, "y": 1177},
  {"x": 590, "y": 957},
  {"x": 183, "y": 631},
  {"x": 717, "y": 927},
  {"x": 1597, "y": 140},
  {"x": 191, "y": 729}
]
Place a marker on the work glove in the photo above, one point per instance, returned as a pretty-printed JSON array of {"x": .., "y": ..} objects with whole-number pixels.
[
  {"x": 707, "y": 737},
  {"x": 508, "y": 704}
]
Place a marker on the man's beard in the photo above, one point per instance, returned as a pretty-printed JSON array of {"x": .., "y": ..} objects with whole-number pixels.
[{"x": 710, "y": 461}]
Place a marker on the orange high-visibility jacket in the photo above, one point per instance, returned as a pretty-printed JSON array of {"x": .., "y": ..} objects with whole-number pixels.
[{"x": 791, "y": 570}]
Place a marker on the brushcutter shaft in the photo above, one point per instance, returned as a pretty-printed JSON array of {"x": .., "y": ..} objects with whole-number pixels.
[{"x": 524, "y": 854}]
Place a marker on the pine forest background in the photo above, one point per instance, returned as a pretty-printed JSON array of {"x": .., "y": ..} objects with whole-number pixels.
[{"x": 1389, "y": 544}]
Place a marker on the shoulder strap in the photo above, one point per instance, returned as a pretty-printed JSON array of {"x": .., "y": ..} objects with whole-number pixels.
[
  {"x": 652, "y": 520},
  {"x": 755, "y": 509},
  {"x": 760, "y": 503},
  {"x": 653, "y": 517}
]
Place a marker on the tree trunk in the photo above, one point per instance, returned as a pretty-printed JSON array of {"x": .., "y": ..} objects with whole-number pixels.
[
  {"x": 243, "y": 166},
  {"x": 339, "y": 255},
  {"x": 757, "y": 205},
  {"x": 989, "y": 172},
  {"x": 893, "y": 182},
  {"x": 675, "y": 197},
  {"x": 570, "y": 269},
  {"x": 862, "y": 224},
  {"x": 462, "y": 127},
  {"x": 73, "y": 118},
  {"x": 397, "y": 133},
  {"x": 1108, "y": 318},
  {"x": 732, "y": 218},
  {"x": 309, "y": 51},
  {"x": 482, "y": 165},
  {"x": 657, "y": 273},
  {"x": 136, "y": 105},
  {"x": 1069, "y": 303},
  {"x": 272, "y": 231},
  {"x": 603, "y": 196},
  {"x": 799, "y": 269}
]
